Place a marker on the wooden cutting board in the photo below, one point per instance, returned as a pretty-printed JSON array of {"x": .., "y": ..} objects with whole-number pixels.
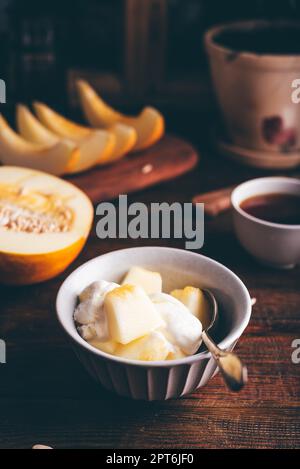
[{"x": 169, "y": 158}]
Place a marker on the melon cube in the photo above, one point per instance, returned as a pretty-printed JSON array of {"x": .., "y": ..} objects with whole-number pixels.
[
  {"x": 130, "y": 314},
  {"x": 151, "y": 347},
  {"x": 108, "y": 347},
  {"x": 194, "y": 299},
  {"x": 151, "y": 282}
]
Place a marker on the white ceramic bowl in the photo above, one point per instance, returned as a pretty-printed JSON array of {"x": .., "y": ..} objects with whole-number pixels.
[
  {"x": 273, "y": 244},
  {"x": 161, "y": 379}
]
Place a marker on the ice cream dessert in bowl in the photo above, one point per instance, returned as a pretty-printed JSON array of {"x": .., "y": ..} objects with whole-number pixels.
[{"x": 135, "y": 319}]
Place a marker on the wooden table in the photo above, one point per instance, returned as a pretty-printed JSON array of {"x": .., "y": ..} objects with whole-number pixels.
[{"x": 46, "y": 396}]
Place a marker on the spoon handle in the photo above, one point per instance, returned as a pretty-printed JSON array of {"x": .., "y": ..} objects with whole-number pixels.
[{"x": 232, "y": 369}]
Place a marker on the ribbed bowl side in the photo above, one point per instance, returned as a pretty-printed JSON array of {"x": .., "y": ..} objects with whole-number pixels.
[{"x": 147, "y": 383}]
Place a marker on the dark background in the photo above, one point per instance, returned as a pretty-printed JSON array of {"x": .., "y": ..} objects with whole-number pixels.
[{"x": 133, "y": 51}]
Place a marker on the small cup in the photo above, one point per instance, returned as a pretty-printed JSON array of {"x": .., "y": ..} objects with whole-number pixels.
[{"x": 273, "y": 244}]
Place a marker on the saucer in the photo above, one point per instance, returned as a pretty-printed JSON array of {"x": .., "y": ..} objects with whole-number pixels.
[{"x": 256, "y": 158}]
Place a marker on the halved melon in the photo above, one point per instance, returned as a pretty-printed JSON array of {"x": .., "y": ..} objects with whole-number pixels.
[
  {"x": 55, "y": 158},
  {"x": 44, "y": 224},
  {"x": 94, "y": 146},
  {"x": 123, "y": 138},
  {"x": 149, "y": 124}
]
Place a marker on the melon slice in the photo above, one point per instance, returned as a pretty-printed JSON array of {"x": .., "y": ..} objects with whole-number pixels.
[
  {"x": 91, "y": 148},
  {"x": 44, "y": 223},
  {"x": 56, "y": 158},
  {"x": 149, "y": 124},
  {"x": 59, "y": 124},
  {"x": 122, "y": 138},
  {"x": 126, "y": 138},
  {"x": 31, "y": 129}
]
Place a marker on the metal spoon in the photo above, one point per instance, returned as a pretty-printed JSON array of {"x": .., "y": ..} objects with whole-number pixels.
[{"x": 232, "y": 369}]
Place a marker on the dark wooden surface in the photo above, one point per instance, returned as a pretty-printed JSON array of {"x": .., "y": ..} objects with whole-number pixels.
[
  {"x": 167, "y": 159},
  {"x": 47, "y": 397}
]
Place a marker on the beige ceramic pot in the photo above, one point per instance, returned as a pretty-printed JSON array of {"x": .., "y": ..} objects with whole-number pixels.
[{"x": 254, "y": 89}]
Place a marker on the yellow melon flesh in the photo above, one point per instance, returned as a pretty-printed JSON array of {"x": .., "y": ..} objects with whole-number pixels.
[
  {"x": 121, "y": 138},
  {"x": 126, "y": 138},
  {"x": 31, "y": 129},
  {"x": 107, "y": 347},
  {"x": 55, "y": 158},
  {"x": 194, "y": 299},
  {"x": 59, "y": 124},
  {"x": 96, "y": 111},
  {"x": 93, "y": 146},
  {"x": 149, "y": 124},
  {"x": 44, "y": 224},
  {"x": 151, "y": 347}
]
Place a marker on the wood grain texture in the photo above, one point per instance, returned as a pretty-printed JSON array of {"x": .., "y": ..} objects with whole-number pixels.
[
  {"x": 169, "y": 158},
  {"x": 47, "y": 397}
]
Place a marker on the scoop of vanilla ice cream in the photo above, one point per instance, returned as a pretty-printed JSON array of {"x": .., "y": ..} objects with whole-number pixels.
[
  {"x": 182, "y": 328},
  {"x": 90, "y": 313}
]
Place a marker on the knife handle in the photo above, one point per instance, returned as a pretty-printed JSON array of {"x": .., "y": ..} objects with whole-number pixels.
[{"x": 215, "y": 202}]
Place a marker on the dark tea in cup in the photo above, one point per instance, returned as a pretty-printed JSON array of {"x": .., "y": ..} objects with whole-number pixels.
[{"x": 275, "y": 208}]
